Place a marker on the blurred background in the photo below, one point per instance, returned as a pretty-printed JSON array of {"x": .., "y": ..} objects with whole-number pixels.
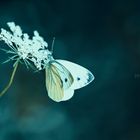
[{"x": 103, "y": 36}]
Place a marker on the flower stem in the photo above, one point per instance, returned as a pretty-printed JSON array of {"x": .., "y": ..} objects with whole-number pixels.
[{"x": 11, "y": 79}]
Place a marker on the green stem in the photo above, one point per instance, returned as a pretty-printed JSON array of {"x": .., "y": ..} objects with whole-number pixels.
[{"x": 11, "y": 79}]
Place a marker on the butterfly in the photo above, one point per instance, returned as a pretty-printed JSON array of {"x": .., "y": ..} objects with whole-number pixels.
[{"x": 64, "y": 77}]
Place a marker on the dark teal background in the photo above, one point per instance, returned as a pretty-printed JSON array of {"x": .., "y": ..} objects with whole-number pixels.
[{"x": 103, "y": 36}]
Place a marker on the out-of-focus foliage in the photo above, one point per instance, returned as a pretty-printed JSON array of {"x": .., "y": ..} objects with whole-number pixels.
[{"x": 103, "y": 36}]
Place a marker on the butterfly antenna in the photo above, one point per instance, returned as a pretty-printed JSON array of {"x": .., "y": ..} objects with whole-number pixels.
[{"x": 52, "y": 45}]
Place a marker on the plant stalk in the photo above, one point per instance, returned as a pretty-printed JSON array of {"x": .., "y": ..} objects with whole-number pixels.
[{"x": 11, "y": 79}]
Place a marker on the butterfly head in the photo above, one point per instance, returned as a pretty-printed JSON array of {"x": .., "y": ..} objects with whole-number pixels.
[{"x": 50, "y": 57}]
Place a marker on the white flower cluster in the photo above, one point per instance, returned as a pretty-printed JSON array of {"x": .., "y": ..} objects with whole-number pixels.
[{"x": 29, "y": 50}]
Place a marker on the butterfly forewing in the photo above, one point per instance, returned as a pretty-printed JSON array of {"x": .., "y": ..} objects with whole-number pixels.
[
  {"x": 65, "y": 76},
  {"x": 81, "y": 75}
]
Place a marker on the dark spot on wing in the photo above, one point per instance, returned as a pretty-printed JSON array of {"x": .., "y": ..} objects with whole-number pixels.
[
  {"x": 66, "y": 80},
  {"x": 78, "y": 79}
]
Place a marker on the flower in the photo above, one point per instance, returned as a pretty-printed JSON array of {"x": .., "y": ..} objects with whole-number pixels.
[{"x": 23, "y": 48}]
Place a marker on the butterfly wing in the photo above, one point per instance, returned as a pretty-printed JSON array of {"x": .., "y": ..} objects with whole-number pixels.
[
  {"x": 58, "y": 80},
  {"x": 53, "y": 83},
  {"x": 68, "y": 93},
  {"x": 81, "y": 75},
  {"x": 65, "y": 75}
]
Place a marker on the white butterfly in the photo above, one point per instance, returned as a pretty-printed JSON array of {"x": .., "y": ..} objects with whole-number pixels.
[{"x": 63, "y": 77}]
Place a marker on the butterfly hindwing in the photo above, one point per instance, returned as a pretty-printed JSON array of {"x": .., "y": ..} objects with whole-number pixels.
[
  {"x": 58, "y": 79},
  {"x": 81, "y": 75},
  {"x": 53, "y": 83}
]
